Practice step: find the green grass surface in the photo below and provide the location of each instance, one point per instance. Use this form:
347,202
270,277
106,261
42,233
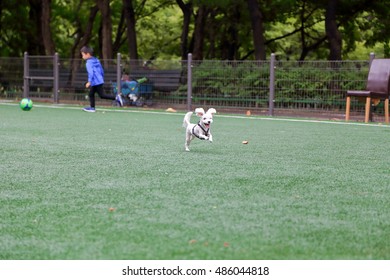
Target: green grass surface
298,190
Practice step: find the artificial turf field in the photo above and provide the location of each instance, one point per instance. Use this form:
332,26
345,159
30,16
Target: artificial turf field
118,185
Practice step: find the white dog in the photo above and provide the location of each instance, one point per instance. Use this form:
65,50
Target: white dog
200,130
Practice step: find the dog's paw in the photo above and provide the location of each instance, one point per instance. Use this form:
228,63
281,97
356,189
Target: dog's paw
187,150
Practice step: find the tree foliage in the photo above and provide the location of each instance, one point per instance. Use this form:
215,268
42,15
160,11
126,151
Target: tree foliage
210,29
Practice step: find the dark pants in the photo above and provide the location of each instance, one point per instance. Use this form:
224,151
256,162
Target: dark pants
100,91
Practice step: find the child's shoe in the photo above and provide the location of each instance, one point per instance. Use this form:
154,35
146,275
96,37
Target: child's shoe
89,109
119,99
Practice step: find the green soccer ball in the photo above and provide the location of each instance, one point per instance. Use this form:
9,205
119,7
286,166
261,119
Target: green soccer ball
26,104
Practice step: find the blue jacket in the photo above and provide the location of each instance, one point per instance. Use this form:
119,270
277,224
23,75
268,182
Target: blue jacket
95,71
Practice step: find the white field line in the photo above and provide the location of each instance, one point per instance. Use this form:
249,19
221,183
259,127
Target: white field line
261,118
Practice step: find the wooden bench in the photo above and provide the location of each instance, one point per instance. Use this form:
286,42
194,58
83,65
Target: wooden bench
159,80
45,78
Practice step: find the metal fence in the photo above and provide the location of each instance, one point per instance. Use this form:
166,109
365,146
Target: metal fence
290,88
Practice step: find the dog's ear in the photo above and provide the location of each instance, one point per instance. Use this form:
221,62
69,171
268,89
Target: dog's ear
199,112
211,111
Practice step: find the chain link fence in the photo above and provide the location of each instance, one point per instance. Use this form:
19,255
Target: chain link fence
301,88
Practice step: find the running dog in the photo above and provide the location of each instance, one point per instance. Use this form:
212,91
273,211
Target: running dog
200,130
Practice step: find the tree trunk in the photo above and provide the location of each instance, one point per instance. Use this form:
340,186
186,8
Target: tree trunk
130,24
187,13
104,7
82,39
46,30
34,36
332,32
212,33
257,29
233,42
200,21
84,36
118,41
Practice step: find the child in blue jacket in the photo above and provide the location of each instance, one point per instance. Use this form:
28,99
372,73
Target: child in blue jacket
95,79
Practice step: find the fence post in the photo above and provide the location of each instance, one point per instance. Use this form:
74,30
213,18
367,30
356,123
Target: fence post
189,82
372,56
271,99
26,74
56,77
118,72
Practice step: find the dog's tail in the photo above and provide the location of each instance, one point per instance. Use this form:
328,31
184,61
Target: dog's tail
186,120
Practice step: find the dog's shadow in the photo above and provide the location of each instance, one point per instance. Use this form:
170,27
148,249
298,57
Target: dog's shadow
200,149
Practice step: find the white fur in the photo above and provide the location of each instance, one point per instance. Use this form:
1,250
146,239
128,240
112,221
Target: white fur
201,129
